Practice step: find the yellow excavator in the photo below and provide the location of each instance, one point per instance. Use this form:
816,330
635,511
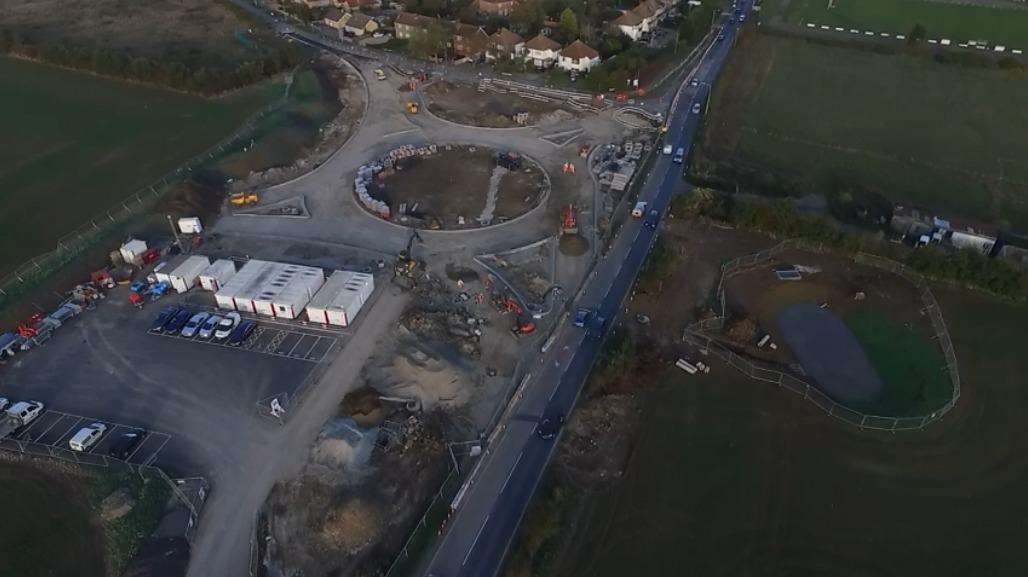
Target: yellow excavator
412,107
244,198
405,271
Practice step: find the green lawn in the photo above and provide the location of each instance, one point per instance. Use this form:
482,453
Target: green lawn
73,144
47,528
910,364
797,117
958,22
732,477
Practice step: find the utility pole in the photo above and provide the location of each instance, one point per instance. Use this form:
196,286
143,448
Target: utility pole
174,231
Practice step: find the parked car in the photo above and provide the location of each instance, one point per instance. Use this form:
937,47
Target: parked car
178,321
126,443
549,427
694,82
189,331
25,411
166,314
581,317
226,325
4,403
87,437
209,326
241,333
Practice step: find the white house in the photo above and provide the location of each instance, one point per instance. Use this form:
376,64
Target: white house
542,52
578,57
641,19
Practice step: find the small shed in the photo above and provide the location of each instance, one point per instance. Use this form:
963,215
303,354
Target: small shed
183,271
341,298
216,275
132,251
190,225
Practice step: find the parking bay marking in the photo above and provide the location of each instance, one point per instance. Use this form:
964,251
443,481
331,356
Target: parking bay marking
111,427
278,335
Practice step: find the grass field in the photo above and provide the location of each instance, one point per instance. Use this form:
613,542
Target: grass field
48,529
910,364
796,117
75,144
736,477
958,22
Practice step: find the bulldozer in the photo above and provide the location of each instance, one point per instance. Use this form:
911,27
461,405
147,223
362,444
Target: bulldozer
405,271
412,108
244,198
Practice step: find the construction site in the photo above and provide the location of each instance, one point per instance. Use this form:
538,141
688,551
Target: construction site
490,106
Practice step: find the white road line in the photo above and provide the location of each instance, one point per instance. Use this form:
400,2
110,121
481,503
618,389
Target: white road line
475,542
80,419
511,473
59,419
153,456
391,134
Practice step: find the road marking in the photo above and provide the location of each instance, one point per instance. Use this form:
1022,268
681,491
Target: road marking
153,456
475,542
511,473
399,132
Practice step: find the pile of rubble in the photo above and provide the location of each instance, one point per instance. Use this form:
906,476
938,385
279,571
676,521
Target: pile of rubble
463,329
384,167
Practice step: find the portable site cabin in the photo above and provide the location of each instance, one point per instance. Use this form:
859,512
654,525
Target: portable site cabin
132,251
341,298
190,225
272,289
182,271
215,276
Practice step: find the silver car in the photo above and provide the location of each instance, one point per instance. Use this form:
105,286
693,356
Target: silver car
209,326
193,326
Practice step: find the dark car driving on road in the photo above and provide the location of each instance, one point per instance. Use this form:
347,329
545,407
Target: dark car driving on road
581,317
549,426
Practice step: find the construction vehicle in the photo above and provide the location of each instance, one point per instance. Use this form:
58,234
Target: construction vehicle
523,325
405,271
412,107
380,74
509,160
244,198
568,220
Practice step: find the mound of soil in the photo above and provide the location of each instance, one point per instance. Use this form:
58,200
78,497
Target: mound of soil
573,245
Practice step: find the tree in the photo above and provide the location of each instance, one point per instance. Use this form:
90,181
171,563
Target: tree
430,42
917,35
569,23
528,17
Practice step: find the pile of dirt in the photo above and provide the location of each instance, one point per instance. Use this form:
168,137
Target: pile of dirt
445,326
364,406
596,448
742,331
573,245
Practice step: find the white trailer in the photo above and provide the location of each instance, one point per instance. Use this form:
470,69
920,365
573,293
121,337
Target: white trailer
217,274
132,251
341,298
273,289
182,272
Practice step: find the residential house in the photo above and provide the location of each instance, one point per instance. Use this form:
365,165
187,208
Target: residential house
360,24
505,45
542,52
409,24
316,3
336,18
642,19
496,7
469,41
356,5
578,57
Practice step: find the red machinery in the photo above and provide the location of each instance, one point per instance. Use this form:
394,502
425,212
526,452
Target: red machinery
568,220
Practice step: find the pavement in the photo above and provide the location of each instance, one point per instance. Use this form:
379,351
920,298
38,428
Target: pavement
480,531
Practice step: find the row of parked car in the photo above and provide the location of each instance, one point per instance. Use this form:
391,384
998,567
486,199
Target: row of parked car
21,413
230,329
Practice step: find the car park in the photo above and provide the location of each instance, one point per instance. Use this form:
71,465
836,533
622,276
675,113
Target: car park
126,444
87,436
227,324
163,317
193,326
549,427
208,327
178,321
581,317
241,333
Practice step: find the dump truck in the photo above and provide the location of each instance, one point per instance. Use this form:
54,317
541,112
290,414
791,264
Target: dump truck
19,415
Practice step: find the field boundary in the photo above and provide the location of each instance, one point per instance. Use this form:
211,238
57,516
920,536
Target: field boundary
697,335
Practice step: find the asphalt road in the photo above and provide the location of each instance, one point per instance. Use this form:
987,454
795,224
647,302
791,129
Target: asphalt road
484,524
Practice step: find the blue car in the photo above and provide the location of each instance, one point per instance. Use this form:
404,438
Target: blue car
178,321
166,314
581,317
241,333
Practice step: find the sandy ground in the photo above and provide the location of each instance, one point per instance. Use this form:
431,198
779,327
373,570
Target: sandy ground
464,104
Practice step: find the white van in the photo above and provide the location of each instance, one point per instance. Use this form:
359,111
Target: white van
87,437
639,210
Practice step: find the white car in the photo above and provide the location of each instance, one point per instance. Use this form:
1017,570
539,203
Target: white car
226,325
193,326
26,411
668,148
87,437
4,403
696,108
209,326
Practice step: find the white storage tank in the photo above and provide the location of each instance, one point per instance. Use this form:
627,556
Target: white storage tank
132,251
182,272
341,298
216,275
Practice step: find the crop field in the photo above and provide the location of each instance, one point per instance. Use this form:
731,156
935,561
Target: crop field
794,117
74,144
49,529
736,477
955,21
